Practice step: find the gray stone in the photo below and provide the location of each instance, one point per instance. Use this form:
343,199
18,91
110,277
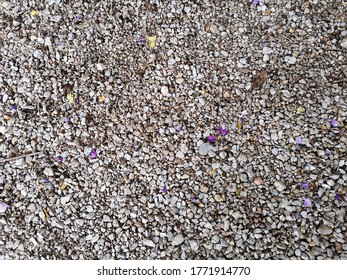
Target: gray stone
148,243
179,239
280,186
324,230
205,148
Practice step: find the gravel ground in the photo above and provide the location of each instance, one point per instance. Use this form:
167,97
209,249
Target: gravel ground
173,129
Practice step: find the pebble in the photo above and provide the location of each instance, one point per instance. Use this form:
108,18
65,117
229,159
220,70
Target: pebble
290,59
148,243
324,230
180,155
205,148
280,186
218,198
258,181
344,43
48,171
179,239
204,189
164,90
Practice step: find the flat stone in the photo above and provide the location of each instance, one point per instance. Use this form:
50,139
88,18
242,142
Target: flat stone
236,215
218,198
164,90
148,243
280,186
180,155
48,171
205,148
204,189
75,163
258,181
2,129
344,43
179,239
324,230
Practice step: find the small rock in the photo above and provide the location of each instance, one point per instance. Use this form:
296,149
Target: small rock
280,186
106,219
2,129
218,198
75,163
291,59
38,54
180,155
48,171
344,43
179,239
258,181
236,215
95,238
226,225
204,189
214,29
164,90
324,230
205,148
148,243
267,50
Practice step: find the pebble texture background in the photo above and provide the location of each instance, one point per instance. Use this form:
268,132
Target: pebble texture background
173,129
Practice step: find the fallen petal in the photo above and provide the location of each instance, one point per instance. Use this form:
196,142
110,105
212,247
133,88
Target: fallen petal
3,207
307,202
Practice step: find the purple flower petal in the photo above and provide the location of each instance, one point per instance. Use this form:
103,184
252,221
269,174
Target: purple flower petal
164,189
334,123
59,159
141,40
79,17
305,185
222,131
13,107
340,197
327,152
46,181
211,138
178,128
93,154
3,207
66,119
307,202
255,3
193,199
298,140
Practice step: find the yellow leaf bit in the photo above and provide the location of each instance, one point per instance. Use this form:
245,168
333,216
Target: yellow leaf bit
238,191
153,40
69,97
291,30
299,110
46,214
63,186
212,172
239,124
34,13
267,12
202,92
102,98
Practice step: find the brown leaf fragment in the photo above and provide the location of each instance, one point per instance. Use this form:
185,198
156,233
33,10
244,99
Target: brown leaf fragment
260,79
245,70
